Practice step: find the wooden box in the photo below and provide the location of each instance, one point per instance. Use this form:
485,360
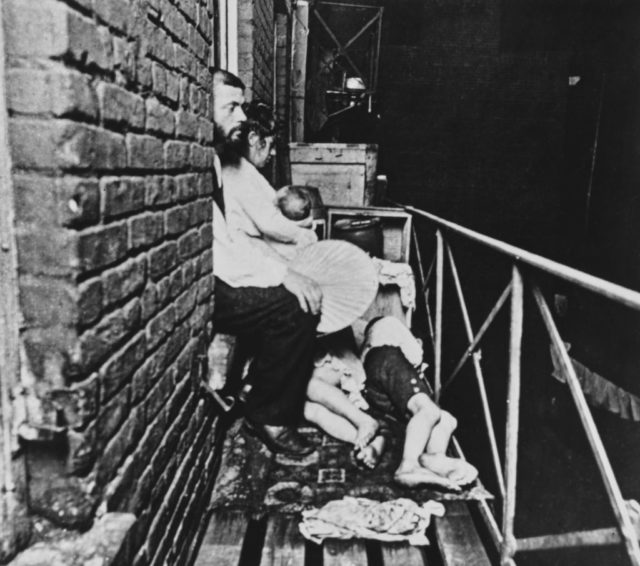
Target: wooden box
396,227
344,173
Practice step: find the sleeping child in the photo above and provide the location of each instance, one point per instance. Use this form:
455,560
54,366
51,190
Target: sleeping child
394,389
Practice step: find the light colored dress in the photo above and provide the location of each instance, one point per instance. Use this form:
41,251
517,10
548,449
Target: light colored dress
250,203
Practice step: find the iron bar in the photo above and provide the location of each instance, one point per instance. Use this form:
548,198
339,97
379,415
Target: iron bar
485,326
605,288
338,44
364,29
478,373
508,548
613,489
437,373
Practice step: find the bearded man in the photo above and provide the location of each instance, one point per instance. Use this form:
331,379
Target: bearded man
262,297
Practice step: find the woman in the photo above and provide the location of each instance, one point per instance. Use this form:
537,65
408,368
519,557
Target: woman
250,200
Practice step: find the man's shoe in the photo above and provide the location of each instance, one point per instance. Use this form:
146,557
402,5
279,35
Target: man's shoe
280,439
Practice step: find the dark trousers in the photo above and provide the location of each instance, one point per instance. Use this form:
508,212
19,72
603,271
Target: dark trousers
283,340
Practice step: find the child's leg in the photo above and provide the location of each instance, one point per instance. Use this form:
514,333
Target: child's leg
435,458
333,399
420,428
331,423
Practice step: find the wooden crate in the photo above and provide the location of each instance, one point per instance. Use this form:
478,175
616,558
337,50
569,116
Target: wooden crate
344,173
396,227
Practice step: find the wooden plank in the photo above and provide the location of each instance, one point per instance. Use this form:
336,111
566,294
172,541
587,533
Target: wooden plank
283,543
396,553
334,153
458,540
344,553
222,542
339,184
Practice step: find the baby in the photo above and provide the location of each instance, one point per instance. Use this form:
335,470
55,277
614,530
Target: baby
294,203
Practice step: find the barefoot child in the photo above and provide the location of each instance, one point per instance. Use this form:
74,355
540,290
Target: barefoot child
395,387
335,404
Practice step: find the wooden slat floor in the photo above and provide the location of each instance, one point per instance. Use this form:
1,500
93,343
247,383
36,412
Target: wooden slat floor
258,497
233,538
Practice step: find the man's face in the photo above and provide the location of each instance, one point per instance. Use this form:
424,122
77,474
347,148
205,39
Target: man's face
227,112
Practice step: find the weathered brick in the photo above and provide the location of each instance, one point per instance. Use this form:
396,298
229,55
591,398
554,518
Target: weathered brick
159,394
42,251
206,236
89,44
82,450
121,367
89,302
47,302
119,107
124,60
102,246
98,342
159,118
69,201
176,155
159,78
198,157
36,28
115,13
205,134
205,288
144,152
176,283
162,260
187,187
188,244
122,196
61,93
173,86
160,190
78,201
187,125
185,303
160,327
206,262
176,220
205,183
62,144
149,302
188,271
118,447
146,230
123,281
112,415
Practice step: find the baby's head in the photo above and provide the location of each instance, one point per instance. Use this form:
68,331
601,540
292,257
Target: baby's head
294,202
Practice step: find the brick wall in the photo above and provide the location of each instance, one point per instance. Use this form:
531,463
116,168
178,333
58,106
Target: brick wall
111,140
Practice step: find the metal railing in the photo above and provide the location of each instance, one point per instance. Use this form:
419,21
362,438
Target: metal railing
506,472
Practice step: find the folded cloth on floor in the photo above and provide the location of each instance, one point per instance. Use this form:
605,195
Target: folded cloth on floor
357,517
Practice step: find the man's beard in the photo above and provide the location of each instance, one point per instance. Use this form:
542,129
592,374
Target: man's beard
231,140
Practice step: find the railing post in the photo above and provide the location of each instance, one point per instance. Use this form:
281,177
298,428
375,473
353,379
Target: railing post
437,370
513,417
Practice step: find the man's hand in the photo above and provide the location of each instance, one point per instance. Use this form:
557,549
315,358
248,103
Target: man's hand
306,290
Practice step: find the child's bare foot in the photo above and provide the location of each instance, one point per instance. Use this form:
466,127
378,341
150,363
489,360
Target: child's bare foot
454,469
416,475
369,456
367,430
